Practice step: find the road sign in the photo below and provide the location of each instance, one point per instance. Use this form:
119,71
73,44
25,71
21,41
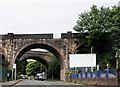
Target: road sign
14,66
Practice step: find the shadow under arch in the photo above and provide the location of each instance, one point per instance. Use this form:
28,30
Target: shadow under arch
83,48
42,60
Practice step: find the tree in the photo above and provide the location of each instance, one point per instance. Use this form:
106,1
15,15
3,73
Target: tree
54,68
34,67
102,26
115,28
21,69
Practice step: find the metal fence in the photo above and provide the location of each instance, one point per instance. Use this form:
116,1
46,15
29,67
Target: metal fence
95,74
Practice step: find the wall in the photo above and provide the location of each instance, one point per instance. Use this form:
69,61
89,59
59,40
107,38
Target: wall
3,73
100,82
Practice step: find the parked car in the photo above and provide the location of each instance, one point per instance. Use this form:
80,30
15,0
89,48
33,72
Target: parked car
22,76
40,76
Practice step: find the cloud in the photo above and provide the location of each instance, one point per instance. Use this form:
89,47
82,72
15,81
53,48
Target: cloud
43,16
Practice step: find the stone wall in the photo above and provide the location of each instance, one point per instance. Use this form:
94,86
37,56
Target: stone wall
99,82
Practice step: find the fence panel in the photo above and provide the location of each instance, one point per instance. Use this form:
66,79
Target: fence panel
95,74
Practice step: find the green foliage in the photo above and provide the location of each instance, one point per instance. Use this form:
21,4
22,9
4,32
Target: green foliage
21,69
102,26
34,67
54,68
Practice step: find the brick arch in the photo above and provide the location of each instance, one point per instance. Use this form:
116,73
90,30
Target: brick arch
40,59
84,45
15,45
48,47
76,48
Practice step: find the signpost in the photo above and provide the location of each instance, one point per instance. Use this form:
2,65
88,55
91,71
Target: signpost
14,67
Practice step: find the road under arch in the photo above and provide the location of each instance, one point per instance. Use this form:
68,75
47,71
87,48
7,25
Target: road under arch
54,51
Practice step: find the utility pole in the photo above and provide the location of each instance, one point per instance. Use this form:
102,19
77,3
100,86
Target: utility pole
91,54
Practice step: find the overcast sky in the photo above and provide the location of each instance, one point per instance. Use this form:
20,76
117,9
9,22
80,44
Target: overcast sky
44,16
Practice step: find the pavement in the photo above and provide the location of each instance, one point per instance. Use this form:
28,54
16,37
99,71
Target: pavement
10,83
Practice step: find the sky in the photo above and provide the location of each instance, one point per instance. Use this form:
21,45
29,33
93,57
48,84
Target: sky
44,16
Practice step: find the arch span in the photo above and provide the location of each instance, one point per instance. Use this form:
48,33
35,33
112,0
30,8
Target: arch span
42,60
37,58
17,44
39,45
48,47
83,48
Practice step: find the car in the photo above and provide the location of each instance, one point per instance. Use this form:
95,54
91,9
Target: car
22,76
40,76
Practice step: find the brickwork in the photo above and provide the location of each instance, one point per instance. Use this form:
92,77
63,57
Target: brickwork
16,45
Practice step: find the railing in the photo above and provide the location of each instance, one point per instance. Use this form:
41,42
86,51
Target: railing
95,74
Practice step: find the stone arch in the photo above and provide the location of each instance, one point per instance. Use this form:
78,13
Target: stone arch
42,60
75,50
39,45
84,46
48,47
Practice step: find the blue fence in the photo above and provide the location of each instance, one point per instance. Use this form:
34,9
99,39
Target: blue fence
95,74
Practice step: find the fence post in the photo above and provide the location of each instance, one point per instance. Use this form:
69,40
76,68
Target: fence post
107,73
98,74
81,75
85,74
91,74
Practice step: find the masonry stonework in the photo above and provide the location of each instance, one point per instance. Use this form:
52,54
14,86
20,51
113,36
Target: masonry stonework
14,46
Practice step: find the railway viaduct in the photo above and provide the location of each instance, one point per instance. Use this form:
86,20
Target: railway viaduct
14,46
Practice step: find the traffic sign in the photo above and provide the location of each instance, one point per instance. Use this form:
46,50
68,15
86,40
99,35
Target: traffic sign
14,66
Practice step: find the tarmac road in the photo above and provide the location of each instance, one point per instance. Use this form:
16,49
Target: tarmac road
37,83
